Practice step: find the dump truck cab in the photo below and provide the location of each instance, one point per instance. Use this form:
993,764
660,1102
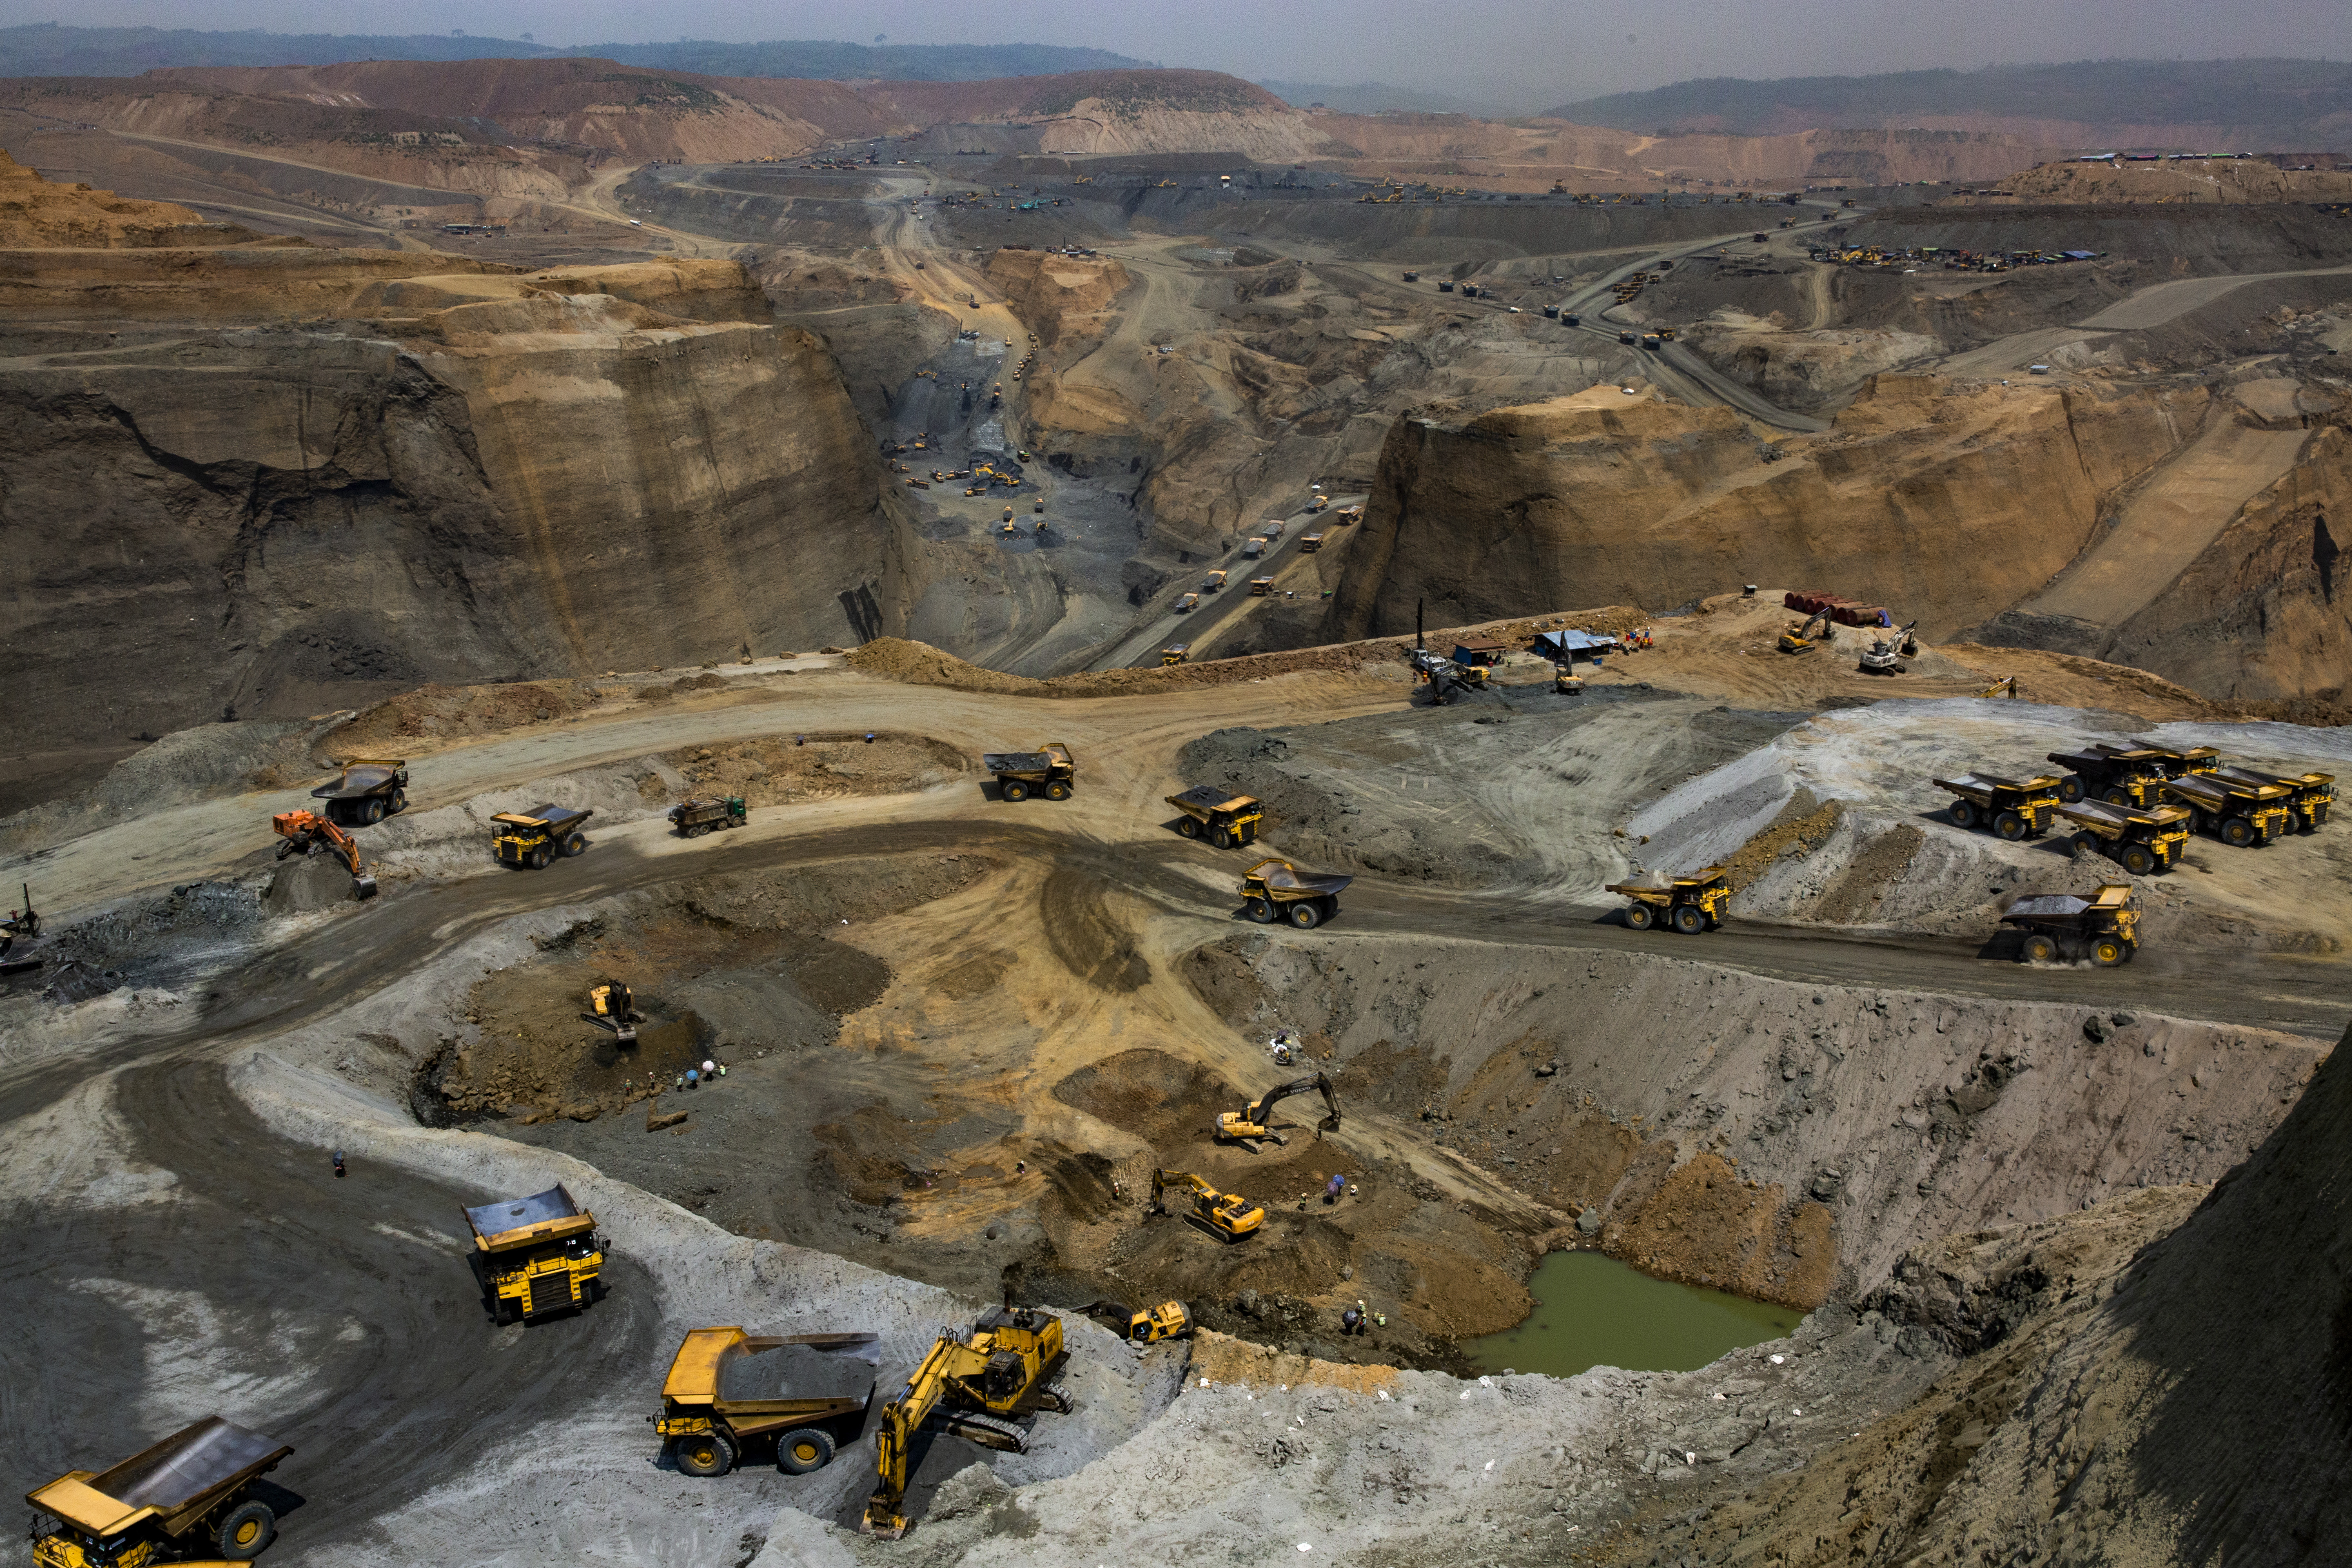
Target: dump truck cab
2120,775
2177,761
2013,808
368,790
535,837
2065,927
2144,843
536,1256
188,1496
729,1391
1690,904
2240,815
1224,819
1276,889
697,815
2308,795
1049,771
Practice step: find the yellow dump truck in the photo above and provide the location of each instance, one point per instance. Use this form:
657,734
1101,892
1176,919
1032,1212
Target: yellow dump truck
1174,654
1049,771
1690,904
2013,808
2309,794
730,1393
536,1256
2141,842
368,790
1260,587
1224,819
535,837
1276,889
2102,928
2240,815
187,1495
1310,544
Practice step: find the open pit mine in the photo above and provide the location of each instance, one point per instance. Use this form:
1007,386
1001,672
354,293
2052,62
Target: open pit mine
1083,820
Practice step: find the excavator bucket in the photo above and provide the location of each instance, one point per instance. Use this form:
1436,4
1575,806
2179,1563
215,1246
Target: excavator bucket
363,885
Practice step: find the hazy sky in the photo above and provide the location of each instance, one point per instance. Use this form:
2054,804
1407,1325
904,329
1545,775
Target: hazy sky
1521,50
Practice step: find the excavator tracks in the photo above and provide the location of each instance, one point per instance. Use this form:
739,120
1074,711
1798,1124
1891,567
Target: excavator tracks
988,1431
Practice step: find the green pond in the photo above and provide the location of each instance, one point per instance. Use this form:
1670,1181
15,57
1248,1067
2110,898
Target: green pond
1596,1312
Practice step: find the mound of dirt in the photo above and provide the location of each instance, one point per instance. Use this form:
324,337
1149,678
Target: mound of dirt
775,769
306,883
35,214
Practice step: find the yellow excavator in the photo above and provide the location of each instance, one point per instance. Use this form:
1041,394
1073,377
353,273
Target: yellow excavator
1229,1216
1253,1124
976,1387
615,1009
1801,638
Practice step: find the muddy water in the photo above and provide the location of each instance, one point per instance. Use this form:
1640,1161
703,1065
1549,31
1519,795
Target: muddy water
1596,1312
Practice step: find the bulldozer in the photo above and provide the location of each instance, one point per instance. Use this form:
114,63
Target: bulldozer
1228,1217
1803,637
164,1504
1884,655
1168,1321
977,1387
1252,1124
613,1005
308,833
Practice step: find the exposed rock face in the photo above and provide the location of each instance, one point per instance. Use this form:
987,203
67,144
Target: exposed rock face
1065,299
541,477
1947,505
1804,369
34,211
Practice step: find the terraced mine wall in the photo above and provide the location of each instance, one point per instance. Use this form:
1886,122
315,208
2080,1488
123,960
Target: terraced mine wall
266,504
1951,506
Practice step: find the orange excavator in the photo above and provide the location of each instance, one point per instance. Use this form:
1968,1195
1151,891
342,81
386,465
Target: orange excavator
308,833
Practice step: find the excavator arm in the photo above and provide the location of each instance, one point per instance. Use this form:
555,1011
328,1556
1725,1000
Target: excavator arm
304,830
1258,1112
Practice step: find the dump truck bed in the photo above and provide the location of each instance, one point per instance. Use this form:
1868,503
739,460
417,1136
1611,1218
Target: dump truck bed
554,818
1281,877
2100,811
2053,907
360,779
1993,782
178,1479
1210,799
551,1216
764,1383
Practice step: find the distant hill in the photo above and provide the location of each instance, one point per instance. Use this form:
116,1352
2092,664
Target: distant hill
1371,97
51,50
2252,105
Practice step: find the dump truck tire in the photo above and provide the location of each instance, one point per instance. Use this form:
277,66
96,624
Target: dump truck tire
2083,843
1640,917
2237,832
2139,859
1963,813
1015,790
704,1454
2070,788
371,810
2117,796
2107,951
1306,914
798,1453
1190,828
2039,949
575,844
1224,839
399,801
249,1528
1261,911
2009,825
1690,919
541,857
1057,790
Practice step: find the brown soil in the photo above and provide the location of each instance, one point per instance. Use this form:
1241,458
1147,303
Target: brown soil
1442,1271
773,770
432,716
534,1054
